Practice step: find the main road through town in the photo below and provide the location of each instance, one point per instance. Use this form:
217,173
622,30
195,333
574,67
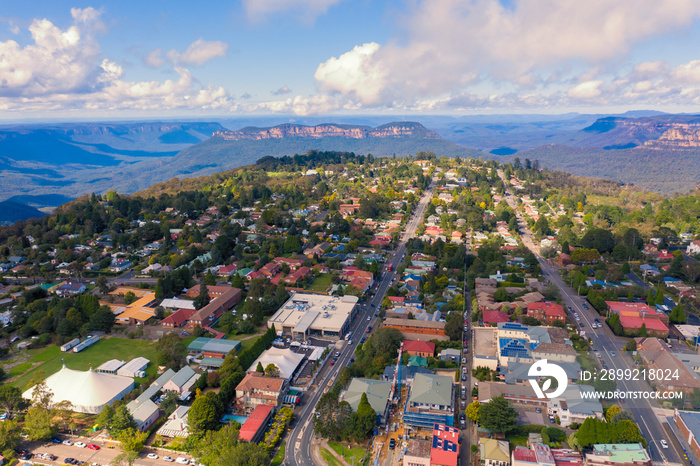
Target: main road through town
647,414
298,447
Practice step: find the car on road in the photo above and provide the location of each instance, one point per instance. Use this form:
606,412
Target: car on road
332,362
152,456
168,459
373,305
92,446
392,444
597,355
337,354
538,410
585,306
369,318
362,340
464,377
79,444
182,460
581,325
67,442
663,443
612,353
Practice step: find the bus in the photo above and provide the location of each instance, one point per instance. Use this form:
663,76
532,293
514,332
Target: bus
390,268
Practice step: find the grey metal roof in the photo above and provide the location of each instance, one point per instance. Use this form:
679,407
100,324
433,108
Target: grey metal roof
432,389
377,393
183,375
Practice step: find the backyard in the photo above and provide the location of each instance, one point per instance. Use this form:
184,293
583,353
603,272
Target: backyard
49,359
320,283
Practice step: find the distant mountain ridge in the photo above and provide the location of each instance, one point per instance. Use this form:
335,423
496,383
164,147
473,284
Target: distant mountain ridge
290,130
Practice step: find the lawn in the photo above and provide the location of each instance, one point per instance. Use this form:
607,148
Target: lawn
329,458
52,358
358,453
320,283
517,440
279,457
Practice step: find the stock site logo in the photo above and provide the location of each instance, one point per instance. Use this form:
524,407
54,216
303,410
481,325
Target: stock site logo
543,368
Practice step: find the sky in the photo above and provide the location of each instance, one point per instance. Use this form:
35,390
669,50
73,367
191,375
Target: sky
128,59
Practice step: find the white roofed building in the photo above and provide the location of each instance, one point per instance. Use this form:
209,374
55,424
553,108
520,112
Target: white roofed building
87,391
305,315
286,360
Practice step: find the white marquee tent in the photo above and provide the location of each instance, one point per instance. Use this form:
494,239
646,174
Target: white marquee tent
87,391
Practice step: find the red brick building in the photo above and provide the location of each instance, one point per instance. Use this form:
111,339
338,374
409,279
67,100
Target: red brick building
547,312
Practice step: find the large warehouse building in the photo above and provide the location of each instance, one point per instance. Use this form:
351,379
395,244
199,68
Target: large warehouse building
87,391
305,315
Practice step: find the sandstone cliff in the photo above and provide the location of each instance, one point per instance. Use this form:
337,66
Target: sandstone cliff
402,129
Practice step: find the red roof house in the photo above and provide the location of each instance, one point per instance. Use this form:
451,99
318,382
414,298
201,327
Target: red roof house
424,349
445,448
253,429
494,317
547,312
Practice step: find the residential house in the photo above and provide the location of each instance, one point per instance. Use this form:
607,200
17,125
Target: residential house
445,446
256,389
377,392
693,248
495,452
182,381
424,349
176,425
547,312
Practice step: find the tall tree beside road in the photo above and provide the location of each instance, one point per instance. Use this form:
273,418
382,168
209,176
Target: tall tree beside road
453,327
10,435
497,415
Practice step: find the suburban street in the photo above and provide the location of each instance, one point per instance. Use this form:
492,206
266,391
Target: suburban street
605,342
300,437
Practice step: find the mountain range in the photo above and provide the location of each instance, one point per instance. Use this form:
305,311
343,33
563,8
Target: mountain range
44,165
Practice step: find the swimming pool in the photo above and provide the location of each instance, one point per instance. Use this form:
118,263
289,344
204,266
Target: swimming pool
231,417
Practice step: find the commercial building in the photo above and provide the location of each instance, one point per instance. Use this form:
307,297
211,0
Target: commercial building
87,391
418,329
688,423
618,454
305,315
430,401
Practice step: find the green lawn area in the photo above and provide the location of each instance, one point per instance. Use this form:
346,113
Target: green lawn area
517,441
102,351
329,458
279,457
320,283
356,452
248,342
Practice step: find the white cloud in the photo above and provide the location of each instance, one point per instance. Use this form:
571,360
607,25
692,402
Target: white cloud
199,52
307,10
154,58
64,69
586,90
450,45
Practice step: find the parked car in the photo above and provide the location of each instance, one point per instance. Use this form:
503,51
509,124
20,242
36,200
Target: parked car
168,459
79,444
152,456
392,444
69,461
92,446
55,440
182,460
67,442
663,443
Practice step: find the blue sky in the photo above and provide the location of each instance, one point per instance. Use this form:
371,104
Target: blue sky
62,59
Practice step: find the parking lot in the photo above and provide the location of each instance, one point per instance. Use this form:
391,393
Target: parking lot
528,415
103,456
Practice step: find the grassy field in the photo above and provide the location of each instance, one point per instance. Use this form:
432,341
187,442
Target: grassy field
517,440
279,457
320,283
358,453
112,348
329,458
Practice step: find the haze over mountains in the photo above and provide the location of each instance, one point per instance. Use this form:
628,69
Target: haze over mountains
42,166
